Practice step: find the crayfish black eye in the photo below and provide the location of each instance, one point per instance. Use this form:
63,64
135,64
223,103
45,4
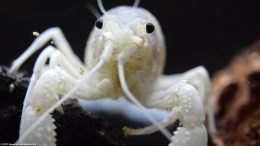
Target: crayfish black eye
149,27
99,24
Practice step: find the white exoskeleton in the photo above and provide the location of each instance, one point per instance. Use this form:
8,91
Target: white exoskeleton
125,56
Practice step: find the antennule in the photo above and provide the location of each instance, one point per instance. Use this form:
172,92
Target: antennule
136,3
101,7
93,10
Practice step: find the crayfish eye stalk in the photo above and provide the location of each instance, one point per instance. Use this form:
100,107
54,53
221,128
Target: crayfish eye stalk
149,28
99,23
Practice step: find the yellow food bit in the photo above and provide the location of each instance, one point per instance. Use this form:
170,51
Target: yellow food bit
37,109
126,131
35,33
81,70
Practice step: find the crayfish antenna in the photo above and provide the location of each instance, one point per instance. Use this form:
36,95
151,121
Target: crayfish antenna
121,61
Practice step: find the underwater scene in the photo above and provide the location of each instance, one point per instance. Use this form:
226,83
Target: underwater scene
130,73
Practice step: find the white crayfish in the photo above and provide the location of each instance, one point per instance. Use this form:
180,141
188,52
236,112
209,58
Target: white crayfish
125,56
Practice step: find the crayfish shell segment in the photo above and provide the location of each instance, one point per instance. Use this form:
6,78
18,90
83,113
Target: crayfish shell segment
43,135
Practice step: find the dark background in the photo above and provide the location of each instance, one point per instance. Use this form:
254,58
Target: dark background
197,32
